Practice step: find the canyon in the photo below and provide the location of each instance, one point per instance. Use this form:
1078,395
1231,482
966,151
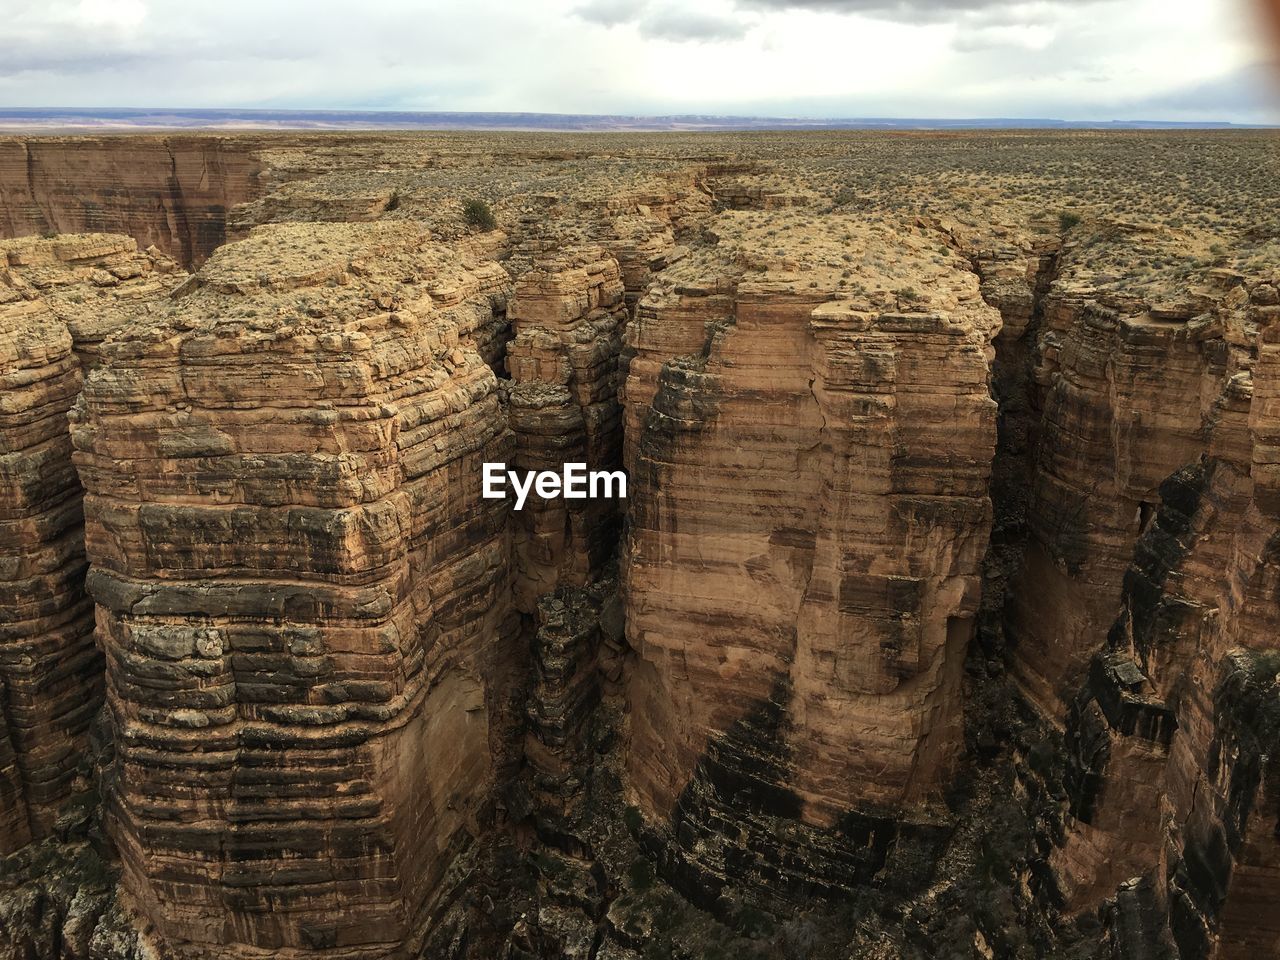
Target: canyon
938,619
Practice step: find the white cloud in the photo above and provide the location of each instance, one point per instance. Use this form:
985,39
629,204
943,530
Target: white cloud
112,14
943,58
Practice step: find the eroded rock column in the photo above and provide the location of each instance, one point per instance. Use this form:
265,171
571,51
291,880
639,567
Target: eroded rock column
47,657
803,572
59,298
303,600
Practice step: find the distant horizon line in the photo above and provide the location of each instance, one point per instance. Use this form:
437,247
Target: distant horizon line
292,118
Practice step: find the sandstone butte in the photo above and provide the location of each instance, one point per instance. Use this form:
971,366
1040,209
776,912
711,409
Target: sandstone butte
940,619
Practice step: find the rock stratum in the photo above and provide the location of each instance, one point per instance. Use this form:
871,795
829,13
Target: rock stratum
938,621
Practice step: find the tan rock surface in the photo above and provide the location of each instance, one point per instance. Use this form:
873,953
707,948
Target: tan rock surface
818,419
58,299
303,601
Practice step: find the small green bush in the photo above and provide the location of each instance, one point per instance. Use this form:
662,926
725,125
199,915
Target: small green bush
1067,220
641,874
479,214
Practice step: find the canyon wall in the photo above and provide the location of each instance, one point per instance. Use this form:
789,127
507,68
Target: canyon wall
568,318
173,192
803,567
940,532
303,601
1136,614
58,300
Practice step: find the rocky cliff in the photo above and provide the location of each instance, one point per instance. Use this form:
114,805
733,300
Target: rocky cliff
171,192
820,418
304,602
59,299
938,619
567,318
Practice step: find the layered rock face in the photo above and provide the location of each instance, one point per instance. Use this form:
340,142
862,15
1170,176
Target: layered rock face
48,657
58,300
569,316
808,524
945,613
303,601
1180,708
1137,615
1128,387
171,192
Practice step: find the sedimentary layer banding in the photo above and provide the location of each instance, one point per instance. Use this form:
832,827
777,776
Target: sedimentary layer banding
303,601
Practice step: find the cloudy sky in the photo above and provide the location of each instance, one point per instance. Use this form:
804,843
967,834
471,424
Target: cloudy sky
1069,59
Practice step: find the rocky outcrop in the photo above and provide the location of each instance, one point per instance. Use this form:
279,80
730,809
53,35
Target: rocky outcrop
58,300
1129,386
575,646
568,315
171,192
1151,498
303,601
809,429
944,615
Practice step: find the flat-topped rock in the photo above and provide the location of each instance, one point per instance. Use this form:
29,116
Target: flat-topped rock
295,574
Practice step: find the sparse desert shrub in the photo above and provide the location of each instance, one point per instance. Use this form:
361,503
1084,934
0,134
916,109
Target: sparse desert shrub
1067,220
845,195
632,818
640,874
479,214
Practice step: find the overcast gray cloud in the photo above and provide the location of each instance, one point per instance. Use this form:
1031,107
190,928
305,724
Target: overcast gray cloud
611,13
1251,90
658,22
1088,59
687,25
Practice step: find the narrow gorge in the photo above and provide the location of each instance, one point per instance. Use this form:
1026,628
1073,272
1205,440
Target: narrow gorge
937,622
